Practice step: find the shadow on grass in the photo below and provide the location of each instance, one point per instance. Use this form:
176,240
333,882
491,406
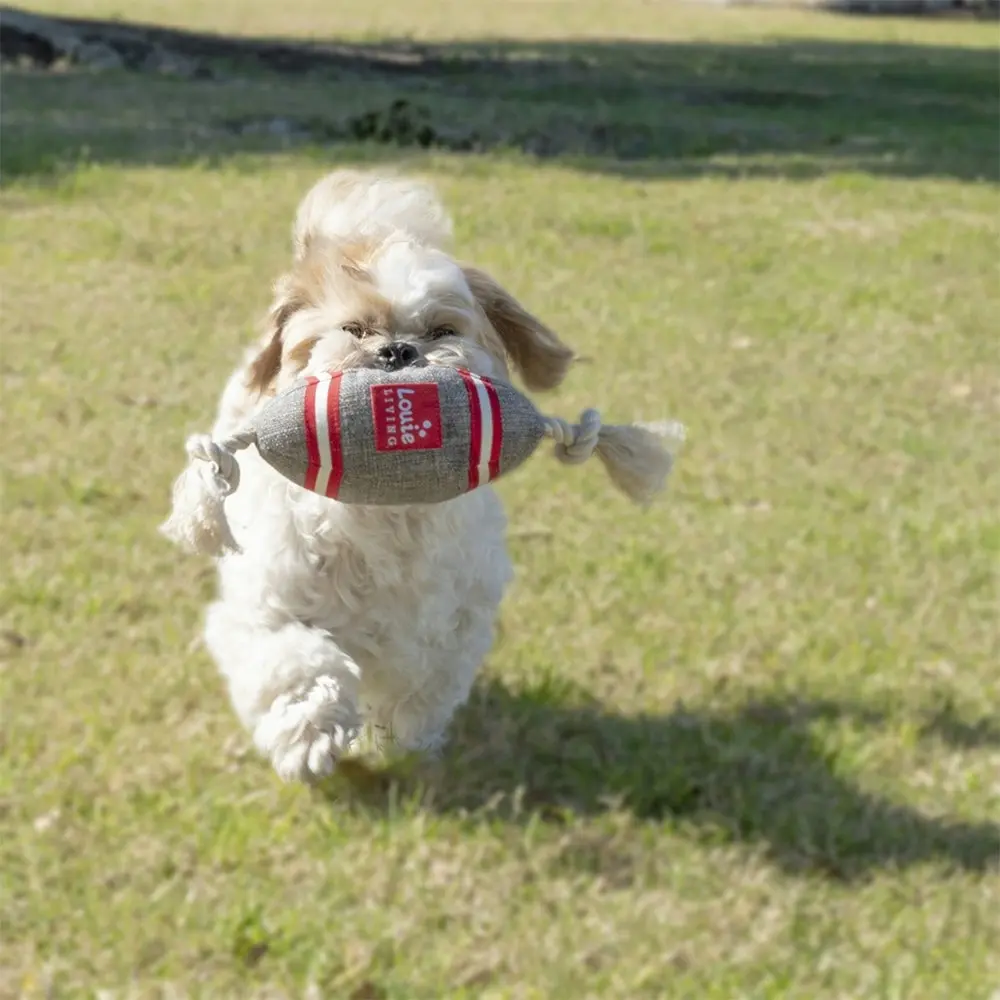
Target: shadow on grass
757,775
795,108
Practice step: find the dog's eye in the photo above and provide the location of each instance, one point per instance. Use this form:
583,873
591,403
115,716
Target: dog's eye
442,331
355,330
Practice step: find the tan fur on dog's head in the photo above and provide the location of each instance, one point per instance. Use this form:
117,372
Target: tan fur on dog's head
539,356
371,285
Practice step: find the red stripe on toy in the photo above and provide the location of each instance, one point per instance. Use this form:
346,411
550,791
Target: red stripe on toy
497,441
312,444
333,426
475,428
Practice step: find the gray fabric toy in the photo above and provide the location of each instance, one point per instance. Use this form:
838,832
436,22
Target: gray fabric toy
420,435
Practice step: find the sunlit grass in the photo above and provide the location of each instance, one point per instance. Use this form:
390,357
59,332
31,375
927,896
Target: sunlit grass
743,746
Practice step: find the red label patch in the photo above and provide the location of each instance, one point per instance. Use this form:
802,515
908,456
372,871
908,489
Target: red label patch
407,416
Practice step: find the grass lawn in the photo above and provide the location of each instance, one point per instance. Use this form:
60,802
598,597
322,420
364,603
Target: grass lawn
746,745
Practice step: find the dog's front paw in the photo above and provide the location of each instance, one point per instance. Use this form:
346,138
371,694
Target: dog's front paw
306,731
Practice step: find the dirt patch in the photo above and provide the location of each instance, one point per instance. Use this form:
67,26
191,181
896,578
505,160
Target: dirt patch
42,43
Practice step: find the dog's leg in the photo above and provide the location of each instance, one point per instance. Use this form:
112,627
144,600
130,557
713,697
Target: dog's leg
292,686
419,720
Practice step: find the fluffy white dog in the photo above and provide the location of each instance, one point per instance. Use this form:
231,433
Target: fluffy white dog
333,617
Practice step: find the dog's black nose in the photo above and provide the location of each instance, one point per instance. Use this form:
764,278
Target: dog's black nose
397,355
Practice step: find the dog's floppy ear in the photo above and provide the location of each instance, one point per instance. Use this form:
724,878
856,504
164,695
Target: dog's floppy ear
264,368
540,357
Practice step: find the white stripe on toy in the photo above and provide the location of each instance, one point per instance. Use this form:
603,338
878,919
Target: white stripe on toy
323,436
486,430
322,424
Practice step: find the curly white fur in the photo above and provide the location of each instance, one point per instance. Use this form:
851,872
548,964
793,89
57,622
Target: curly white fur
331,617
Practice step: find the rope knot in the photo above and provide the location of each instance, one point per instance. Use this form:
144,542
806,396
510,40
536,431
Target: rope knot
219,454
575,443
197,519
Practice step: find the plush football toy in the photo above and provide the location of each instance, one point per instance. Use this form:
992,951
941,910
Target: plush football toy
420,435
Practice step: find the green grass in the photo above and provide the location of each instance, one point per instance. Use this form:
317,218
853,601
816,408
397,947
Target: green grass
746,745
